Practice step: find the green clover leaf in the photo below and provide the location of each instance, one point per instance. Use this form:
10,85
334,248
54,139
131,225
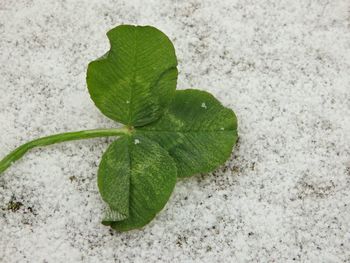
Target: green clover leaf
136,177
196,130
168,134
136,79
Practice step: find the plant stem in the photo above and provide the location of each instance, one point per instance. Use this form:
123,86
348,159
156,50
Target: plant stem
57,138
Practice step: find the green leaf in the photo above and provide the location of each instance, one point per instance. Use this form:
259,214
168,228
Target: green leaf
136,79
196,130
167,135
136,178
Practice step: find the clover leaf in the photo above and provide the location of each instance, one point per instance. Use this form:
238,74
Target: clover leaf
136,177
196,130
167,135
136,79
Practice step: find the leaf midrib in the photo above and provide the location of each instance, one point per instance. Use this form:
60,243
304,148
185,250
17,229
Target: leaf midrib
133,77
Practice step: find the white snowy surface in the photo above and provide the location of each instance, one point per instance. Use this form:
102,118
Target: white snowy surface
282,66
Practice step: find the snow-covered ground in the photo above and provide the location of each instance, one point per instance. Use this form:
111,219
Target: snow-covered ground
282,66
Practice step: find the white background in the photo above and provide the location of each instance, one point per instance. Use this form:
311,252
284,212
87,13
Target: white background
282,66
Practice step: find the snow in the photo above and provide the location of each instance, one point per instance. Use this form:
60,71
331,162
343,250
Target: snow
283,196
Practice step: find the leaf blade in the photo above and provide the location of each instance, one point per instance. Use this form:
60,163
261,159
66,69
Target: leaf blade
152,177
196,130
124,84
114,178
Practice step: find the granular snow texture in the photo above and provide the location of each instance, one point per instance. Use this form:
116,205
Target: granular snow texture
282,66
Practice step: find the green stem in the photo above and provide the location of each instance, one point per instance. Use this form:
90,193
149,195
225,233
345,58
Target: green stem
57,138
